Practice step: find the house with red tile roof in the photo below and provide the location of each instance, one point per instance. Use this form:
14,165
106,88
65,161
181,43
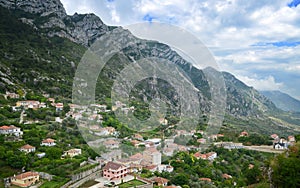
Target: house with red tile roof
11,130
59,107
25,179
112,171
198,155
48,142
27,148
274,136
206,156
159,181
244,133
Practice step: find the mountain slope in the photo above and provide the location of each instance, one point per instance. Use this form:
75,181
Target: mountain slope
48,44
283,100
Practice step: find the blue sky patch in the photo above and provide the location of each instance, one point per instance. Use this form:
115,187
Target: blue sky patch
294,3
278,44
148,18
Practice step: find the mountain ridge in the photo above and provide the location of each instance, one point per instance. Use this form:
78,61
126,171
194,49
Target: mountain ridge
282,100
51,18
60,50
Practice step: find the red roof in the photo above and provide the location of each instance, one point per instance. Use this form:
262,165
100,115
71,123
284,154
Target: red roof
48,140
58,105
199,155
244,133
5,127
25,175
27,146
151,167
112,166
160,180
205,179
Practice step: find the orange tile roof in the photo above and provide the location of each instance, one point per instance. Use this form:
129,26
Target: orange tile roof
25,175
48,140
160,180
151,167
27,146
5,127
205,179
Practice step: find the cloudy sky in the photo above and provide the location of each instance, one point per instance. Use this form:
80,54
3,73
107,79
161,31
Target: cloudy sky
256,40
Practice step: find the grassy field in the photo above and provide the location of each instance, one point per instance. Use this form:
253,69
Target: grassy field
131,184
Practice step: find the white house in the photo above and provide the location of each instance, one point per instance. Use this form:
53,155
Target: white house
11,130
48,142
72,153
27,148
59,107
280,145
211,156
166,168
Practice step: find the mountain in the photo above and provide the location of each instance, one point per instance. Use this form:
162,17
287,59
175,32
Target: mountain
51,18
41,46
283,100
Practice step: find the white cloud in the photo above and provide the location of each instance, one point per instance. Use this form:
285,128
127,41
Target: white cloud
267,83
113,12
228,27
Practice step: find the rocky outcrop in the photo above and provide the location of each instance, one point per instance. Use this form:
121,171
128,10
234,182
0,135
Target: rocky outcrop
51,17
41,7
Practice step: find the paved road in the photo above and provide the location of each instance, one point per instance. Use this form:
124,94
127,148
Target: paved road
268,149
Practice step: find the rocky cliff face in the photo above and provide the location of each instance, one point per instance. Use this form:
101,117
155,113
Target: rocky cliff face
51,17
42,7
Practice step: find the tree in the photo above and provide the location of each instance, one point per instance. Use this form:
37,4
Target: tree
17,159
253,175
53,153
286,168
180,179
